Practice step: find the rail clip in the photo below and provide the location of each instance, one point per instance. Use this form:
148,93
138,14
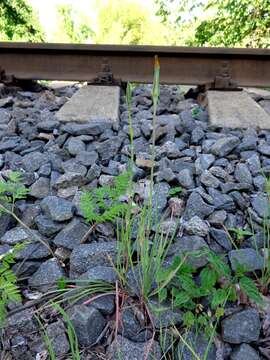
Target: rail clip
223,80
105,76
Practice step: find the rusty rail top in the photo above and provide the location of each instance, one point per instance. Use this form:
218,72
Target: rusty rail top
179,65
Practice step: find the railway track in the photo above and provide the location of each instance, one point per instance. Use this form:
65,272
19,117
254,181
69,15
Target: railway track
220,67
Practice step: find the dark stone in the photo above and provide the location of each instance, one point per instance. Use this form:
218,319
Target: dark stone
33,251
69,179
230,186
124,349
225,145
109,148
93,128
88,323
15,235
87,158
23,321
57,336
87,256
163,316
241,327
48,125
189,244
46,276
57,209
222,238
105,304
71,235
221,201
196,206
185,179
93,173
75,146
199,344
242,174
244,352
73,166
40,189
131,328
102,273
33,161
260,204
249,259
46,226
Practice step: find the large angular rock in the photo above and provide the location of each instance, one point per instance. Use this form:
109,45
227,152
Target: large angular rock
124,349
88,256
249,259
15,235
241,327
109,148
41,188
88,324
33,251
225,145
260,204
196,226
46,226
46,276
92,128
71,235
33,161
57,335
197,207
57,209
189,244
244,352
69,179
100,273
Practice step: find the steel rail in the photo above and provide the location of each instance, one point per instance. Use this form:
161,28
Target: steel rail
179,65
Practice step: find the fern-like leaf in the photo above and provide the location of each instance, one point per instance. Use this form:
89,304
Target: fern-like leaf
102,204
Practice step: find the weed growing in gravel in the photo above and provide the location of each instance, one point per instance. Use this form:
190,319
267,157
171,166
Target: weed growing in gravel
11,191
217,285
103,204
9,291
72,338
240,236
175,191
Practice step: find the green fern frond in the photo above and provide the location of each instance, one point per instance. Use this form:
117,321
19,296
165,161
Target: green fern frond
8,288
102,204
12,189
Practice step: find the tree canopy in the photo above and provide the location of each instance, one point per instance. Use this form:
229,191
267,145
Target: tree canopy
221,22
19,22
127,22
74,27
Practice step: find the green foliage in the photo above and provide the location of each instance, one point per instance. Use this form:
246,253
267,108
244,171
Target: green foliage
236,22
215,285
240,234
12,190
175,191
19,22
227,23
127,22
102,204
72,338
74,26
8,290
